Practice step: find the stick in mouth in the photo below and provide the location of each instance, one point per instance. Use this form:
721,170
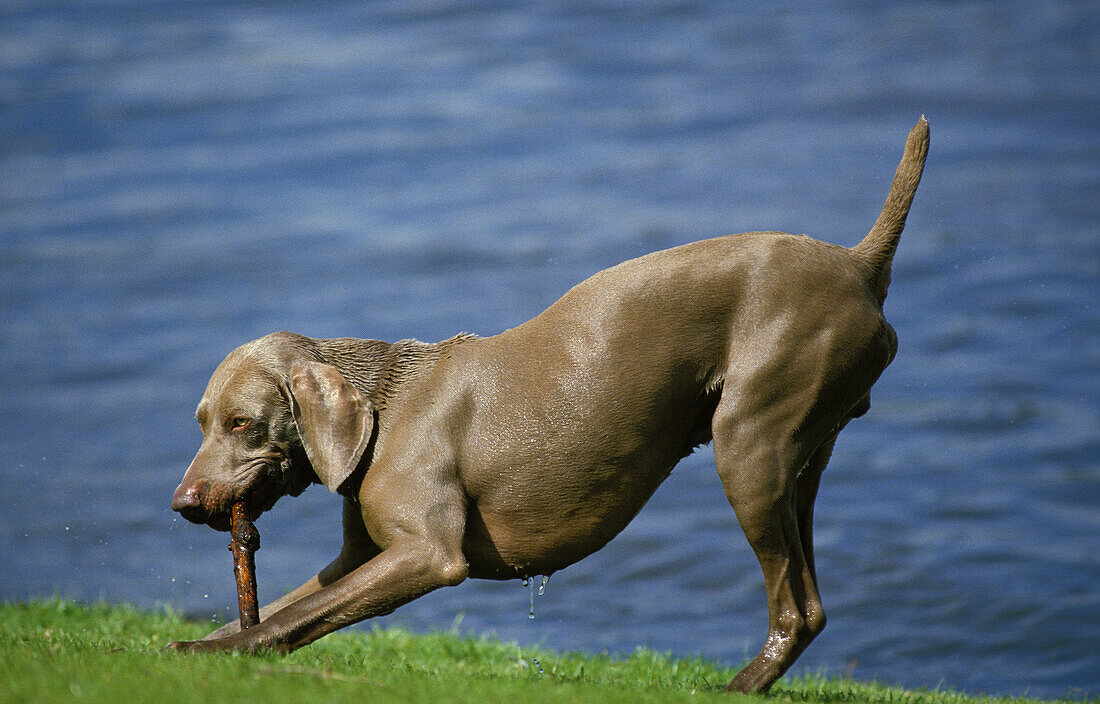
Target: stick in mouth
244,542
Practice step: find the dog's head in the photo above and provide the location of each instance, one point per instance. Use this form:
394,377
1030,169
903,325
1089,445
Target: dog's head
274,418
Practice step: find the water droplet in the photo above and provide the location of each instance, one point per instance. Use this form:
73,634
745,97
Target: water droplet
535,662
529,583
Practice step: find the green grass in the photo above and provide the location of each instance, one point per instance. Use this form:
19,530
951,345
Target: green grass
60,651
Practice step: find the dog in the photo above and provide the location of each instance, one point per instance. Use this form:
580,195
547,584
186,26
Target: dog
517,455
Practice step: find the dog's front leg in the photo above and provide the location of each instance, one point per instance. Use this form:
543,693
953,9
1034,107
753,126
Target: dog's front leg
357,549
409,568
337,569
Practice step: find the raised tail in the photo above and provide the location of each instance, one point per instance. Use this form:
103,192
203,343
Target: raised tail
876,250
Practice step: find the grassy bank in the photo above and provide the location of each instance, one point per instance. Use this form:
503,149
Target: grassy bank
59,651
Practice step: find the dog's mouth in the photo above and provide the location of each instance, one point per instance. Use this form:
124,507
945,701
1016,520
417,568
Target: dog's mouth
262,483
206,504
218,518
219,522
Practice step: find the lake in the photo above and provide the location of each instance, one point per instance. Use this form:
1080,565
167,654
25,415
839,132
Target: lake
177,178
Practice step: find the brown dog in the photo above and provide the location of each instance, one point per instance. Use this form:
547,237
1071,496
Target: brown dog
519,454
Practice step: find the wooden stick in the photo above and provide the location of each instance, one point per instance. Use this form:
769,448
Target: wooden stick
244,542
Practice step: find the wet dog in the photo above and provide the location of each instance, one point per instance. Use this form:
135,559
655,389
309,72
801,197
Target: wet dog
515,455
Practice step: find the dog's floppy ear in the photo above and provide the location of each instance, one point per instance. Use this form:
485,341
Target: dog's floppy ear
334,420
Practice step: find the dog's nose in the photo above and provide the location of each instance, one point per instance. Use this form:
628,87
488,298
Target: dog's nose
186,498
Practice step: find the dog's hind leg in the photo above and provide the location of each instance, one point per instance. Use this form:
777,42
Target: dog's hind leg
804,496
771,481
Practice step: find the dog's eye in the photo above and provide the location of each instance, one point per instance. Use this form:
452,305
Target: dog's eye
240,423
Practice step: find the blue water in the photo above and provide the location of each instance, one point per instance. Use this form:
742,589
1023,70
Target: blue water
179,177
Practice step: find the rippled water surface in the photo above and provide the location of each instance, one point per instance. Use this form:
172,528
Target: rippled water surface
179,177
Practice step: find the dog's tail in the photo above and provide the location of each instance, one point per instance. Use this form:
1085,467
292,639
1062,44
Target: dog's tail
876,250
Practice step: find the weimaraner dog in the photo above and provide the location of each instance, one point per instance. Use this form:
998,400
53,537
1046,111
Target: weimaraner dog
519,454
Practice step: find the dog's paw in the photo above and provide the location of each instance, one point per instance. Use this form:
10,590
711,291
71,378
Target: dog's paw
191,646
211,645
250,642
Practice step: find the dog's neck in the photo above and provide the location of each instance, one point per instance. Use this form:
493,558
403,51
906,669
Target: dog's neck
379,369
